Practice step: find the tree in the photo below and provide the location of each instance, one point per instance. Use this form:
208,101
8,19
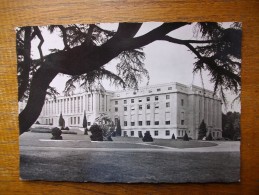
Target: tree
97,134
87,48
185,137
85,124
61,121
173,137
202,130
209,138
118,128
231,125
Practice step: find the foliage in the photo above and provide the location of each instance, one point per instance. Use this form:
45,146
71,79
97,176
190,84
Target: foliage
118,128
37,122
56,133
202,130
231,125
84,121
66,128
97,134
147,137
185,137
173,136
61,121
209,137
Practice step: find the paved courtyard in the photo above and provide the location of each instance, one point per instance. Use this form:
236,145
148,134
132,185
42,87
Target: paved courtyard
76,158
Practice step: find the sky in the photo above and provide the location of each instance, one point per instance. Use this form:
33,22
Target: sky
165,62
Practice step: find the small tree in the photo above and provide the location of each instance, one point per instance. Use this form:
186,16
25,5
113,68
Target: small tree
140,135
173,137
209,138
61,121
118,128
97,134
85,124
185,137
147,137
202,130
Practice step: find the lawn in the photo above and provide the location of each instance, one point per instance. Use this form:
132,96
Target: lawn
119,166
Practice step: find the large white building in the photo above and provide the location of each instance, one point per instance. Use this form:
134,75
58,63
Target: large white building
163,110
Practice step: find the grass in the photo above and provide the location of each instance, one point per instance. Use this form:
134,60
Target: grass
119,166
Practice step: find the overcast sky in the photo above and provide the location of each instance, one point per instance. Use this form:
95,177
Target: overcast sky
165,62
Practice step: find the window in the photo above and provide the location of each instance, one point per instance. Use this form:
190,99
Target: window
132,123
167,97
125,123
71,120
156,133
148,123
140,123
167,104
158,89
148,99
139,100
169,88
156,122
167,122
140,107
140,134
132,100
125,101
150,91
148,106
182,122
156,98
74,120
125,133
182,102
125,108
213,134
116,102
78,119
131,133
167,132
116,109
156,106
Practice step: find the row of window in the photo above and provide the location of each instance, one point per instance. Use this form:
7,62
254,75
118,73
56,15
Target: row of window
141,106
156,133
148,99
148,123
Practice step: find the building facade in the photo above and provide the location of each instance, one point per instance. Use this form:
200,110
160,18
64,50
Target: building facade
163,110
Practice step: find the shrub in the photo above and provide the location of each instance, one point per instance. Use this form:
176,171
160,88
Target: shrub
147,137
118,128
202,130
37,122
84,122
140,135
97,134
173,137
61,121
185,137
66,128
56,133
86,131
209,138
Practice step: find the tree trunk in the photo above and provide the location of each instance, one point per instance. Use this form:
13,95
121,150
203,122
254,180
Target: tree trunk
39,86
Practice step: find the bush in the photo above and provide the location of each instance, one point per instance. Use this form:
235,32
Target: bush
37,122
185,137
173,137
66,128
209,138
147,137
97,134
56,133
140,135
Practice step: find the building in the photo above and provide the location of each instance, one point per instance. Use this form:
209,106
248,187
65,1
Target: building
163,110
